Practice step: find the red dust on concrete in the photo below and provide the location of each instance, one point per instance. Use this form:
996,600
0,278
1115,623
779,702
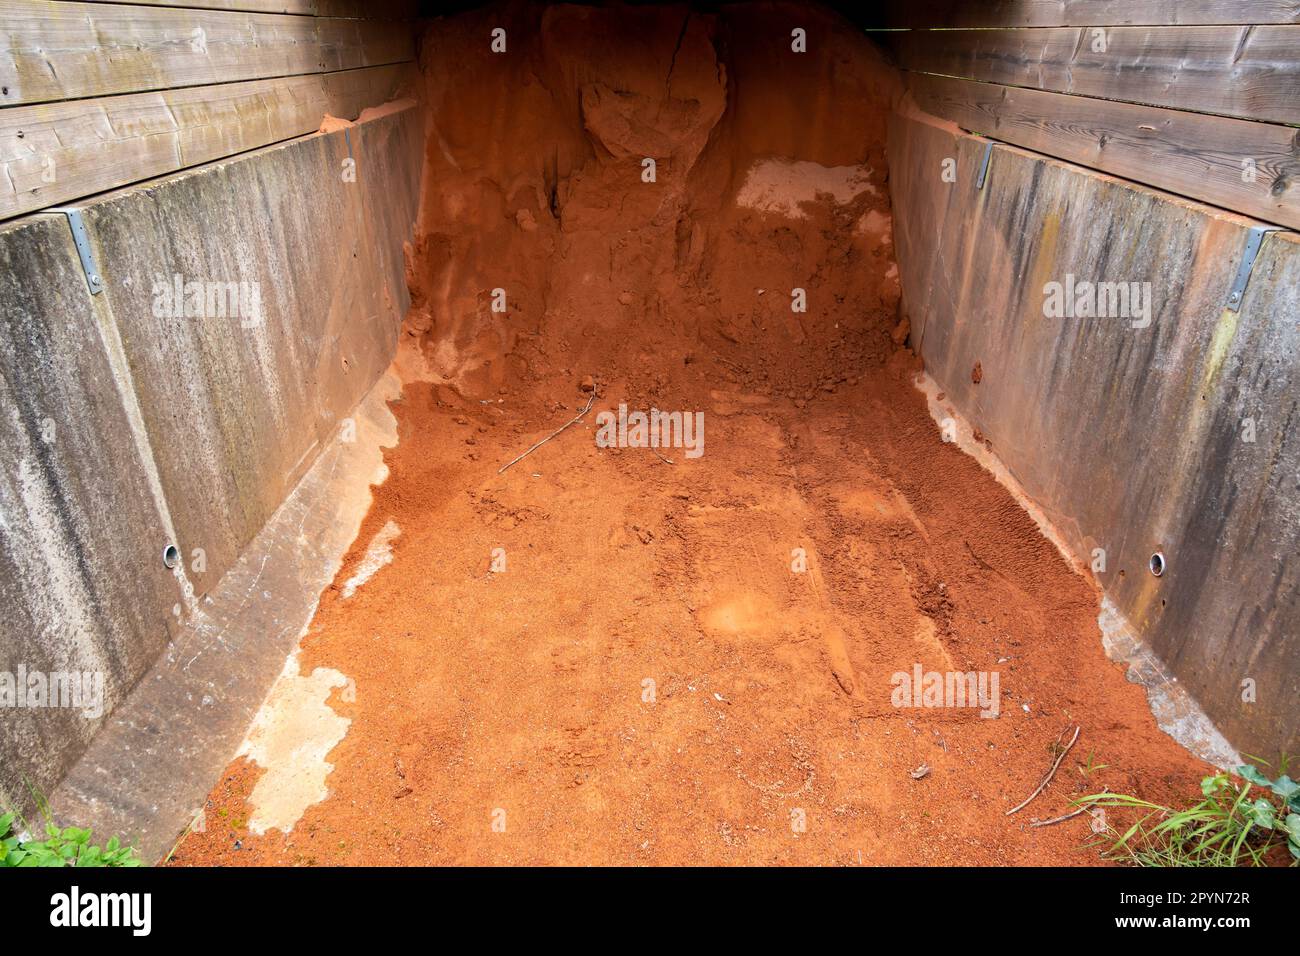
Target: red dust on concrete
631,656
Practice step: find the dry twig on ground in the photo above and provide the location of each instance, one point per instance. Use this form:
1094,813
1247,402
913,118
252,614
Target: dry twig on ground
1051,773
577,418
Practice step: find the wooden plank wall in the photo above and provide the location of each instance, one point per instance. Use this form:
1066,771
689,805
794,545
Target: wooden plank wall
95,95
1197,97
915,14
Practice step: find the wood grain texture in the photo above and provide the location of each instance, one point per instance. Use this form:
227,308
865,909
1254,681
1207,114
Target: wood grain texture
364,9
300,7
52,153
1248,72
1192,154
52,50
1061,13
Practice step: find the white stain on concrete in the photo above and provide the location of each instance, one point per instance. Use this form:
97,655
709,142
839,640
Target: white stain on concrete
782,187
295,729
962,434
290,738
1175,711
378,554
64,604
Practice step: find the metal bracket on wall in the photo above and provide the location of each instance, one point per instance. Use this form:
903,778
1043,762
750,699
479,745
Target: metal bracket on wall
984,165
1254,240
82,241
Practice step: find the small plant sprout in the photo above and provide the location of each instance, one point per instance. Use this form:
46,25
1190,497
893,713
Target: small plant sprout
1241,820
66,846
1090,766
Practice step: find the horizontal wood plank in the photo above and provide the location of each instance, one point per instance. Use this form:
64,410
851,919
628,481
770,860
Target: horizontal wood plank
53,153
916,14
300,7
368,9
1249,72
52,50
365,9
1204,157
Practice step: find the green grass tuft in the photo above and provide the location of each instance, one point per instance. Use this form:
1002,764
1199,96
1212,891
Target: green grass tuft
1240,821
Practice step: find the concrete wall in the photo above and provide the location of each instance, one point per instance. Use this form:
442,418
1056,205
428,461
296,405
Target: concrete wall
126,428
1134,440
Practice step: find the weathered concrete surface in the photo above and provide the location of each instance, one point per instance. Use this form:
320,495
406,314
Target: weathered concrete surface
82,582
1175,711
1132,439
147,773
238,407
186,429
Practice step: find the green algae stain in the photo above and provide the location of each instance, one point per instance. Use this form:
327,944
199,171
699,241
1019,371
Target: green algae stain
1224,333
1045,247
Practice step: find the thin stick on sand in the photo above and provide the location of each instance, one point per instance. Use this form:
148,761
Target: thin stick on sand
1065,816
577,418
1051,773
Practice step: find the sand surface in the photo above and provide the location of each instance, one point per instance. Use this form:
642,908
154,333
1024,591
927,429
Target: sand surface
625,655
